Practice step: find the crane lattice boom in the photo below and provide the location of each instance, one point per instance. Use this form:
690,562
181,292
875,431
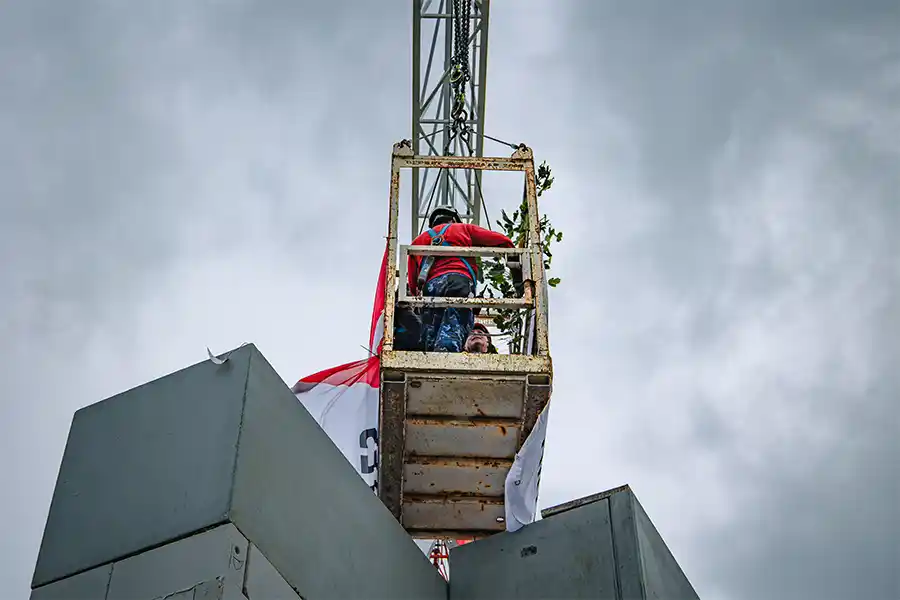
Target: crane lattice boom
435,23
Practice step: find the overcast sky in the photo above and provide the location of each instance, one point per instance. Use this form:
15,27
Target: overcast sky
176,175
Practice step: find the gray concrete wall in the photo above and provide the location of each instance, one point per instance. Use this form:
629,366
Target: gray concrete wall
603,549
145,467
88,585
663,576
218,563
214,444
310,513
219,553
629,568
566,556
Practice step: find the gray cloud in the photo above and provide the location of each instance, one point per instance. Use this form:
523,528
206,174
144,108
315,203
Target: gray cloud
724,335
759,291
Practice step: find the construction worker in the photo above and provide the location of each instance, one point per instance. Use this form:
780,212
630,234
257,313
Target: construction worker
479,341
446,329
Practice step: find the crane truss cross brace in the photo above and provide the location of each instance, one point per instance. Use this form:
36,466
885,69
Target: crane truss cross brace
432,101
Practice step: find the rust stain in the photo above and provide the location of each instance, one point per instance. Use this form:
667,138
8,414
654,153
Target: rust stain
401,361
502,429
514,163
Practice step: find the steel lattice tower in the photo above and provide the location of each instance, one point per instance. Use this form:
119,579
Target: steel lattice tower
431,104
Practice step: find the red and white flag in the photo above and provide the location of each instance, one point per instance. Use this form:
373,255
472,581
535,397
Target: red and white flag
344,399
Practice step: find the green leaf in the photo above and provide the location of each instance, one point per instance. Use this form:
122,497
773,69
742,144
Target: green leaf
512,322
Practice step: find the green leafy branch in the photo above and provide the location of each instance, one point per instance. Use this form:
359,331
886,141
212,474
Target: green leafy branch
512,322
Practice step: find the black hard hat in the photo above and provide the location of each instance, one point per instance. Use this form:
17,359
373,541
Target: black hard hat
443,211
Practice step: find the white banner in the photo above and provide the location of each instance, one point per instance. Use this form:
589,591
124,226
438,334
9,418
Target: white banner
344,402
524,477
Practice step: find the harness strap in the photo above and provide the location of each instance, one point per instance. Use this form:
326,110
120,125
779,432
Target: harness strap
433,234
437,239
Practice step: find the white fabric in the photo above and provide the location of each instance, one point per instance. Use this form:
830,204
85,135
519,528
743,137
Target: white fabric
523,479
377,336
349,415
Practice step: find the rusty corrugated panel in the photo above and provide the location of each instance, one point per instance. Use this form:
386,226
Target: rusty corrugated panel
462,162
492,438
454,513
455,475
537,395
465,397
392,414
477,364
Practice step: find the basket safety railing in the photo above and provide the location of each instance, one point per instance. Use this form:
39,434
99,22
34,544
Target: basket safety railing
526,301
528,261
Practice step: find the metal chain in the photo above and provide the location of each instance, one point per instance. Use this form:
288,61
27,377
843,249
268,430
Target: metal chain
460,75
461,9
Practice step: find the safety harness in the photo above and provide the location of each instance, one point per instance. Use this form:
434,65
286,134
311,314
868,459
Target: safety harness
437,239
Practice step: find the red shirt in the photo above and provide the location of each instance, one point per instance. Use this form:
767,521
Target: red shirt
457,234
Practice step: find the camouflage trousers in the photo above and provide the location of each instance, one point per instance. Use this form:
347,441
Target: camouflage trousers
446,329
